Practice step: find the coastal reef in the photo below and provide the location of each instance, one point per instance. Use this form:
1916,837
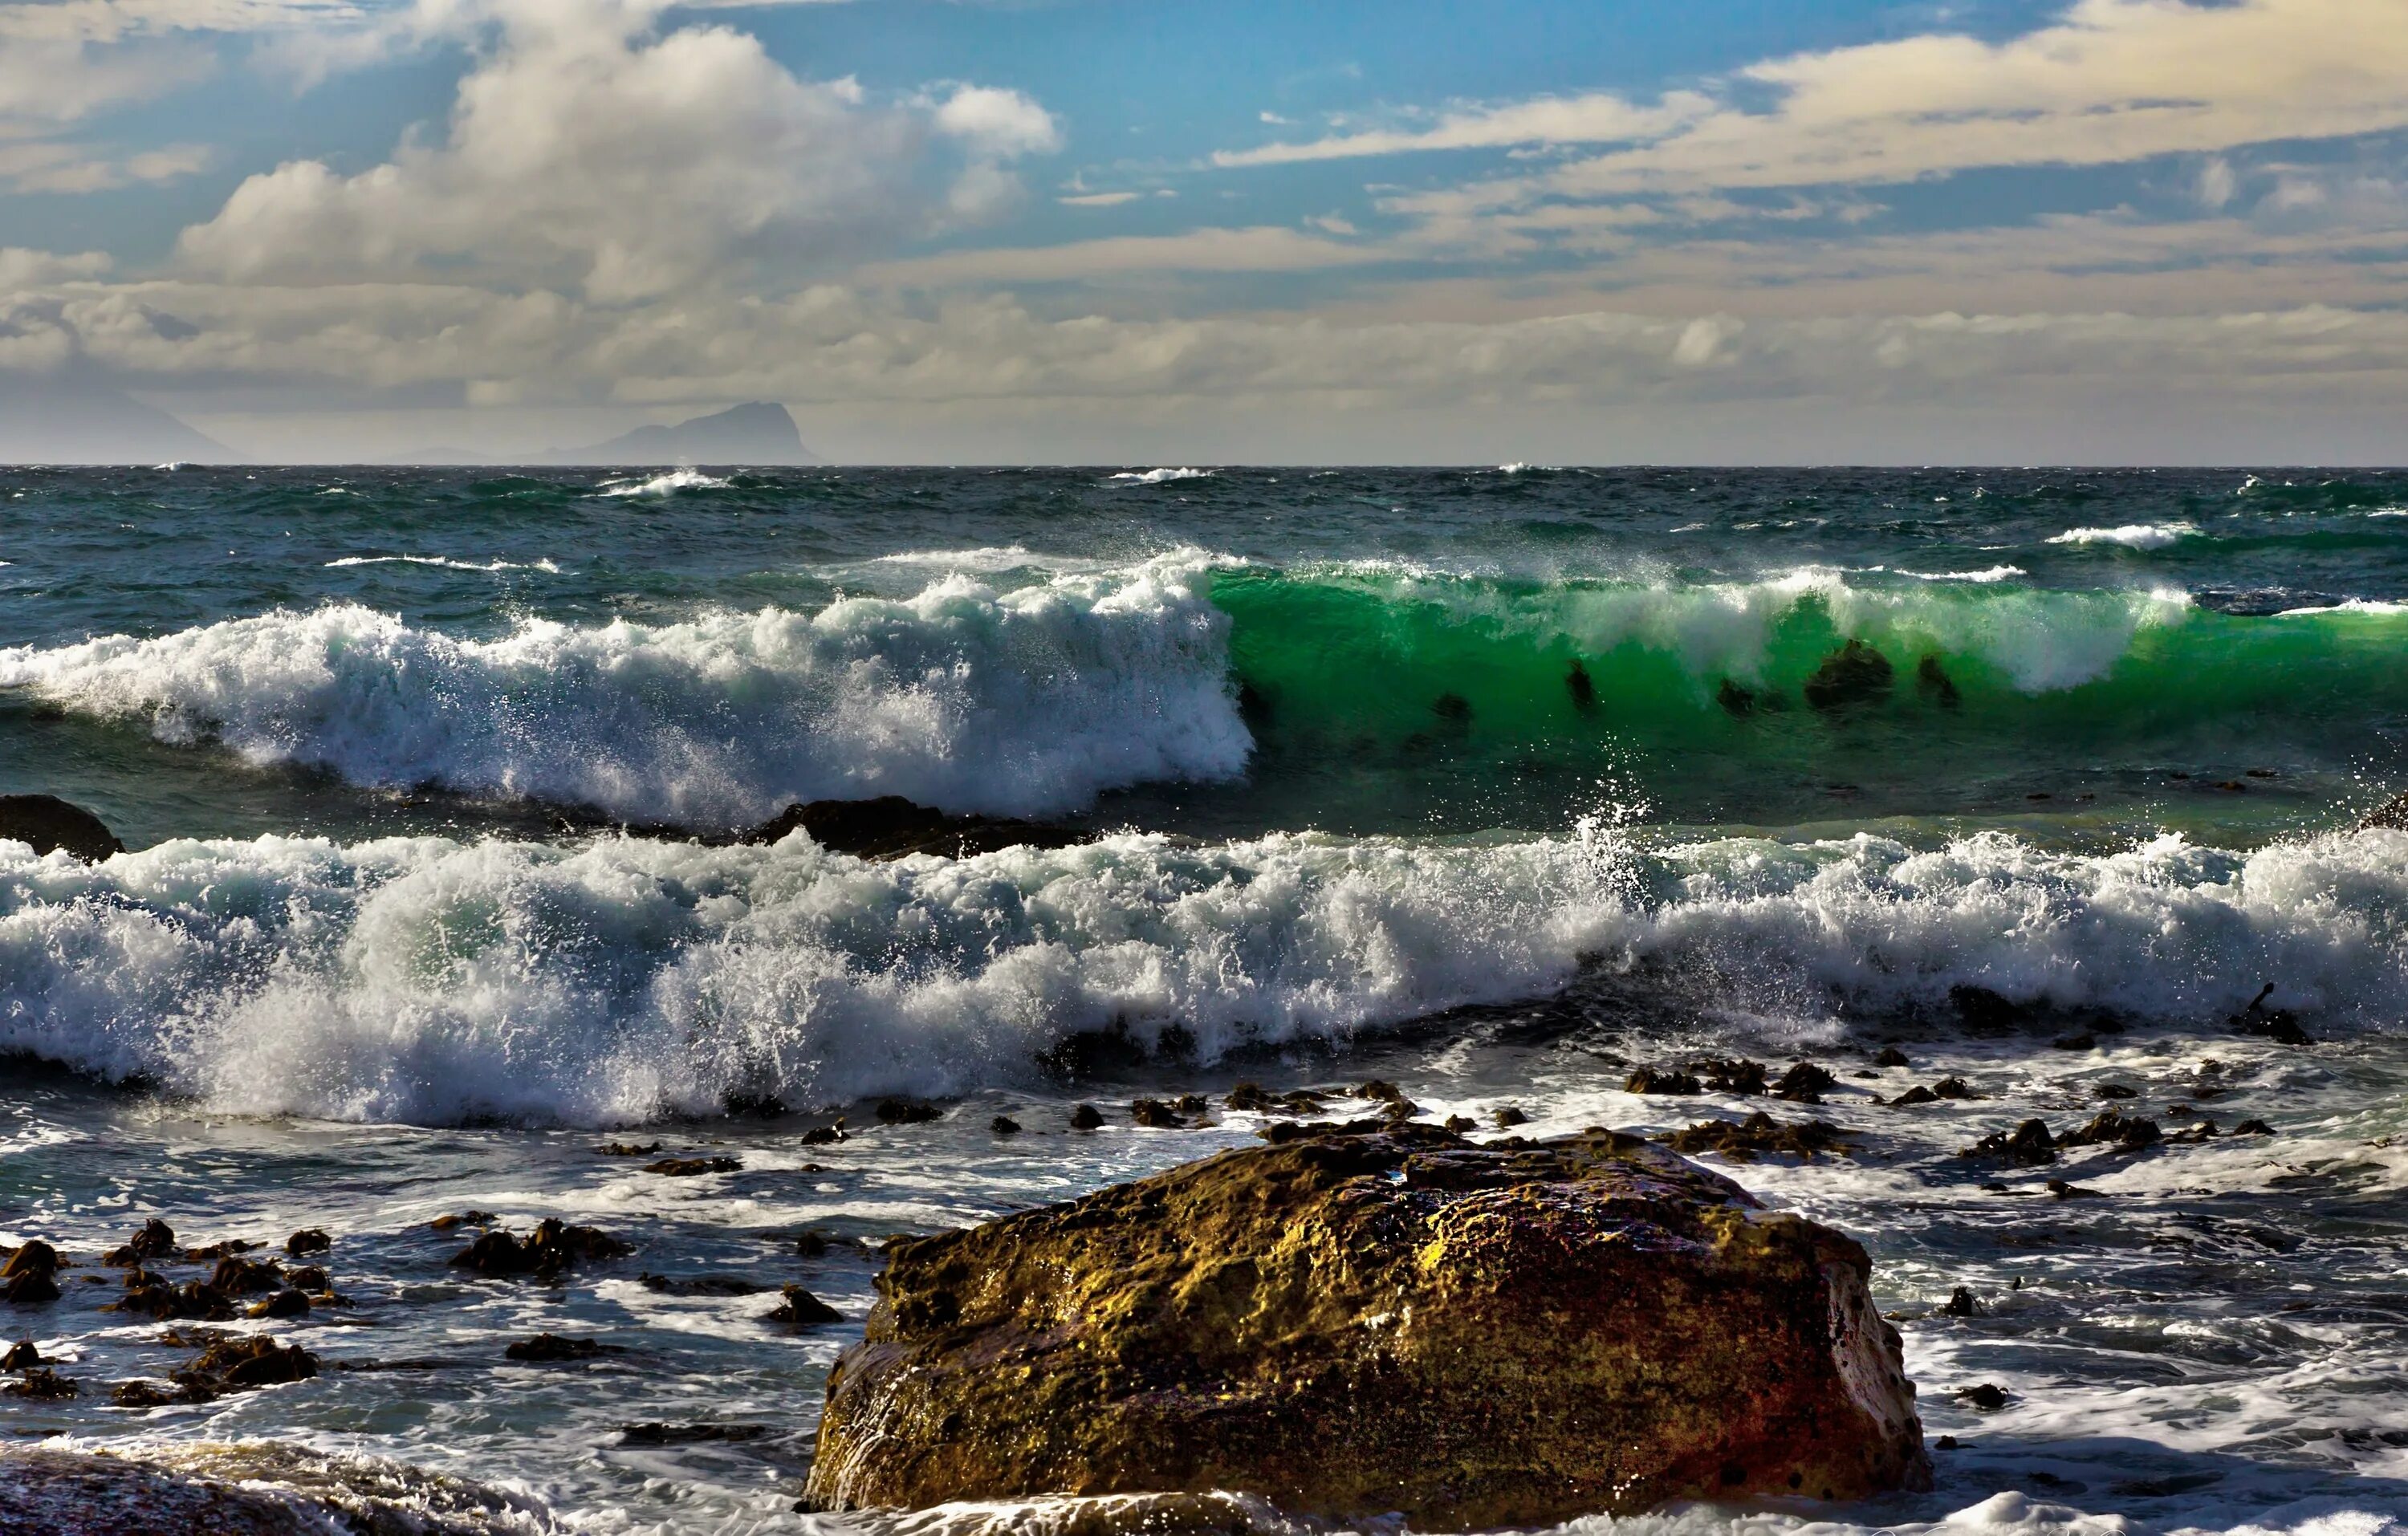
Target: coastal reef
1372,1319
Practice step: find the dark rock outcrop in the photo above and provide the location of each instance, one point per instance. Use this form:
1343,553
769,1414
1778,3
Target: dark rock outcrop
544,1252
892,828
1377,1319
49,824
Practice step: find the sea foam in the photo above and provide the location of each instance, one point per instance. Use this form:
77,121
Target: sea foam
618,979
961,696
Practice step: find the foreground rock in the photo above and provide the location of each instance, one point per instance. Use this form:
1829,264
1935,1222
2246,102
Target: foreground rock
1365,1320
49,824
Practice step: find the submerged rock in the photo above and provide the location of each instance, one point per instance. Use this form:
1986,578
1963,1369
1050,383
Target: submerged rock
256,1489
892,828
1378,1319
1741,1139
1855,673
49,825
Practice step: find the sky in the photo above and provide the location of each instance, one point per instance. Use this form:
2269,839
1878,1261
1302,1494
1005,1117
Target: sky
1126,231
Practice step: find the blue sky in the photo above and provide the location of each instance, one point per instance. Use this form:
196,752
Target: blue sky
2127,230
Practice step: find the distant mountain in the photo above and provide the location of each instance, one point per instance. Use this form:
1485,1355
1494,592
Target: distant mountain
759,432
60,419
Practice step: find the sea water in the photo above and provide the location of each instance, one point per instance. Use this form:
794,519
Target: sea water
1493,784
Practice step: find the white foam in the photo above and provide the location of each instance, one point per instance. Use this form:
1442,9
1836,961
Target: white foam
667,484
2131,536
1158,477
440,561
426,981
1989,575
1022,702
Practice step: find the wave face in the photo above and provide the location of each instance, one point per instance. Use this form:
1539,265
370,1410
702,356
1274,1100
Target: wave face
961,696
428,980
975,694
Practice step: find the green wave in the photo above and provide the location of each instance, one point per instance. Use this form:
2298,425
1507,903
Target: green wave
1417,659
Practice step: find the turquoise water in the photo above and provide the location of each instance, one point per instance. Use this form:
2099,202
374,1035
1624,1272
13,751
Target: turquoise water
1492,784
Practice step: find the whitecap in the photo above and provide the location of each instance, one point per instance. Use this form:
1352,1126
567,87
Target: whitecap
2131,536
442,562
668,484
1157,477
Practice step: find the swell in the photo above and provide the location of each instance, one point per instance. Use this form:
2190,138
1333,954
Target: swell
430,980
979,694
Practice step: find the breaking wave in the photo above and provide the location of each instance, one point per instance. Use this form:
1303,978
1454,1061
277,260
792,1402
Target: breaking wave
961,696
429,981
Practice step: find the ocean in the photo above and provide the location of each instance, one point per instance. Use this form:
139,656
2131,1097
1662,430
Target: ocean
1499,784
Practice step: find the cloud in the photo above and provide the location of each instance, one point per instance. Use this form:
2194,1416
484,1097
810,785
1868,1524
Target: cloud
2109,81
1597,118
588,151
1265,249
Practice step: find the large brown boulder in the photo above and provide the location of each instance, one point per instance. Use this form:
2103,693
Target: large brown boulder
1373,1319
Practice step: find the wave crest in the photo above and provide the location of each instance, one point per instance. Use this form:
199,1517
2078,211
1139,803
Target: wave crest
1015,703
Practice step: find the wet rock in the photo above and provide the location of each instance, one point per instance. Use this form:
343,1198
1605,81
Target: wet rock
310,1277
1961,1303
552,1349
893,828
1736,702
2084,1041
145,1393
1381,1092
1510,1116
284,1303
42,1385
2067,1191
309,1239
1954,1087
246,1276
1461,1123
1731,1076
1741,1139
2278,1025
156,1240
907,1112
1650,1080
1804,1083
2392,813
51,824
688,1167
2028,1145
2253,1127
1359,1323
1191,1103
1252,1098
690,1434
1582,688
1453,710
1931,679
1004,1125
1915,1095
2110,1128
1891,1056
217,1251
627,1149
21,1356
1086,1117
1987,1398
810,1244
28,1278
544,1252
1155,1114
245,1364
825,1136
1855,673
464,1218
801,1309
703,1285
2113,1090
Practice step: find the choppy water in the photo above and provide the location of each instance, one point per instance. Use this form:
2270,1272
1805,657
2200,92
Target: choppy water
1491,783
